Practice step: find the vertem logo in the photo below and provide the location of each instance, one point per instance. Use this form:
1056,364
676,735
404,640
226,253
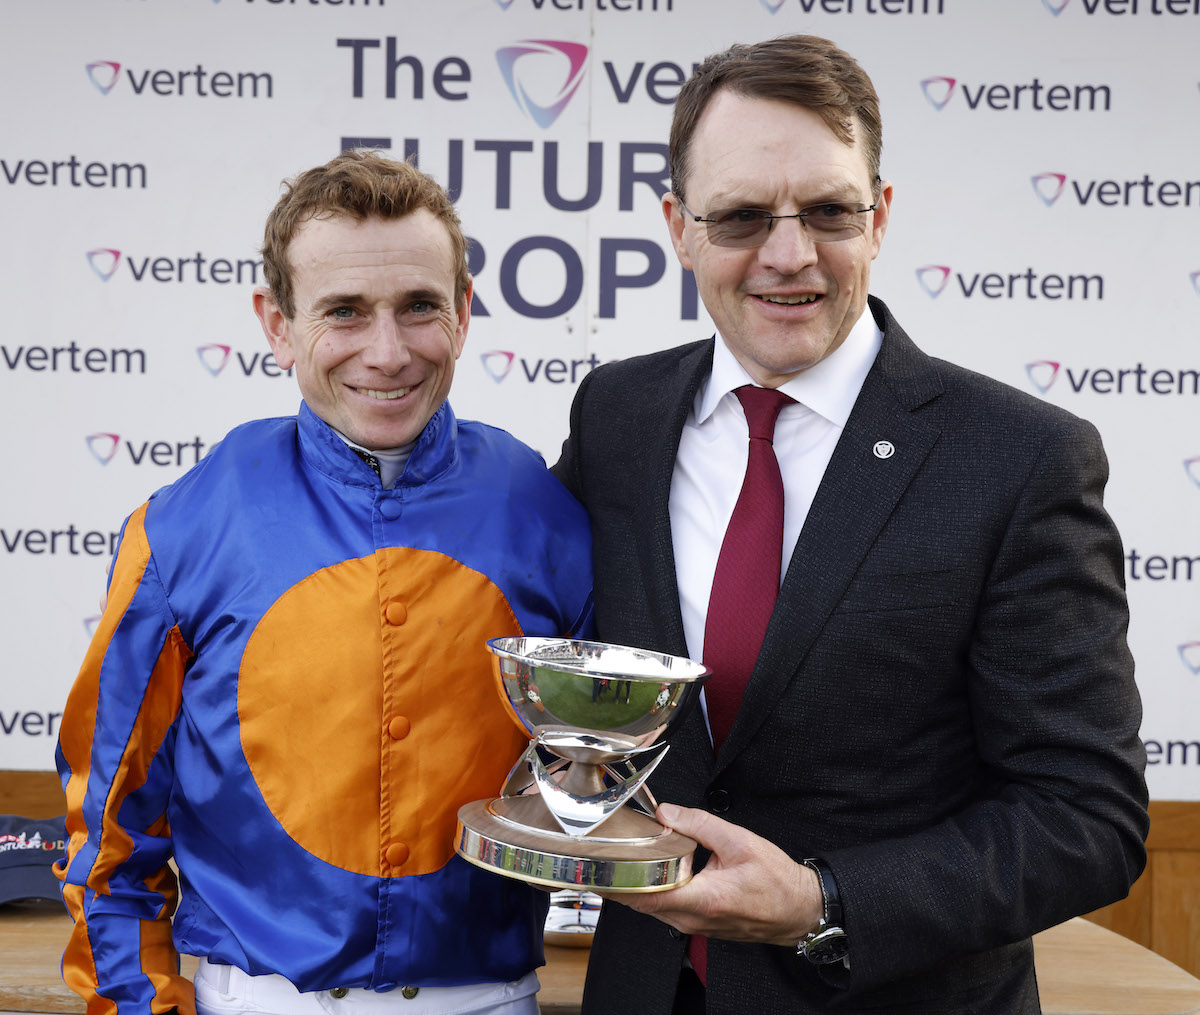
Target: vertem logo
1119,193
938,91
519,81
1036,96
1042,373
103,74
1189,652
104,262
198,81
497,363
1135,380
213,357
1012,285
1048,186
103,446
1120,8
863,6
933,278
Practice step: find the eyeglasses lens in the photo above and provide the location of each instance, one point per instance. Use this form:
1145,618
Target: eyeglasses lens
749,227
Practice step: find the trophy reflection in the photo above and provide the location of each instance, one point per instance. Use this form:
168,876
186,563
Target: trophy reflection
585,820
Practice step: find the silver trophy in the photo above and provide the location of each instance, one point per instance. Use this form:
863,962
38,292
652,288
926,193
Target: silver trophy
584,821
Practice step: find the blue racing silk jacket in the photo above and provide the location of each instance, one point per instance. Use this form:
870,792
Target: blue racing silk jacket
289,693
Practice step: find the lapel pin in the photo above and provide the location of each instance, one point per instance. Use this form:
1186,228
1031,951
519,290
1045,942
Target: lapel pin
884,449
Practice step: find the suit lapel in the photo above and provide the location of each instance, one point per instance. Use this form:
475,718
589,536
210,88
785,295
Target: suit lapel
855,499
659,432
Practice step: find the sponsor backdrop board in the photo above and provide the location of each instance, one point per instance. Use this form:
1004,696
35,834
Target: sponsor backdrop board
1046,165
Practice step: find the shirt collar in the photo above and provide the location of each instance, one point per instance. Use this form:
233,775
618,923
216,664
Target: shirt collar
829,389
391,461
327,451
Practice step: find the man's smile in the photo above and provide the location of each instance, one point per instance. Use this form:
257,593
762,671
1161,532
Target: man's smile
797,299
386,395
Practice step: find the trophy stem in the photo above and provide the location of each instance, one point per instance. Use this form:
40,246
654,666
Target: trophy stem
583,779
581,813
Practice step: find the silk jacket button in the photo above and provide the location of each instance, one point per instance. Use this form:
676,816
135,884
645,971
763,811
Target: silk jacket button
396,854
390,509
396,613
399,728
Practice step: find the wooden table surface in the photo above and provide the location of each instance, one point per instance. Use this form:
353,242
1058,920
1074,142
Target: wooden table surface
1082,969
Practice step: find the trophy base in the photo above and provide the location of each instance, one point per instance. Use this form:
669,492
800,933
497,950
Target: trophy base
502,835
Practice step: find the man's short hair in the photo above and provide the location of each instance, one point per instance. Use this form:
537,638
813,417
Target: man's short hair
802,69
358,184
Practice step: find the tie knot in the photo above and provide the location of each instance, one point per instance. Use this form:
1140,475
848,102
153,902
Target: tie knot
762,407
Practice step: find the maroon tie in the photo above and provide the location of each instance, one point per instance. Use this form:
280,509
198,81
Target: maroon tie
745,585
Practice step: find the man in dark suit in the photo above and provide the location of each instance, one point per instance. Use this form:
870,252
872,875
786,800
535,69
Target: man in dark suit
925,749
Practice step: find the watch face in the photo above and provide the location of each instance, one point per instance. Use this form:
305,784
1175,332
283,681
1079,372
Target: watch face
831,945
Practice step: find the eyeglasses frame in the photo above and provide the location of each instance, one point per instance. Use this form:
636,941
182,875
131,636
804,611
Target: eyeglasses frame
771,220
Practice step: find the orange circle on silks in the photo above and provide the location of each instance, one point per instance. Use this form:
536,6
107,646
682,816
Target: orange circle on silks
324,678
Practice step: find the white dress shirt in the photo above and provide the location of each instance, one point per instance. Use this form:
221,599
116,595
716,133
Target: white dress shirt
714,447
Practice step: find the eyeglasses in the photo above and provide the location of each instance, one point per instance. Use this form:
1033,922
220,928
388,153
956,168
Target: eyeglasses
749,227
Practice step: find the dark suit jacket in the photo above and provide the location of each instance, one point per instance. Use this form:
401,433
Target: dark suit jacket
943,708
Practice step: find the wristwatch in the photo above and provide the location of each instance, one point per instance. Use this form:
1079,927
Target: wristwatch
828,943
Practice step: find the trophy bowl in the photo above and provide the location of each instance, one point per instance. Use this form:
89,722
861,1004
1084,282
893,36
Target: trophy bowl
585,820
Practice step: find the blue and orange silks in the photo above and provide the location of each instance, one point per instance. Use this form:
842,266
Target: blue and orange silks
289,693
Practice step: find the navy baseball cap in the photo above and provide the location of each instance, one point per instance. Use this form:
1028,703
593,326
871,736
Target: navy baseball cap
28,849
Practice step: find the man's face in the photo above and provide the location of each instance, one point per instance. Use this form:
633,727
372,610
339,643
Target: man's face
786,305
376,330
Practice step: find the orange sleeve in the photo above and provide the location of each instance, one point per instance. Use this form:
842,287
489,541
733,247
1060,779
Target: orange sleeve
117,883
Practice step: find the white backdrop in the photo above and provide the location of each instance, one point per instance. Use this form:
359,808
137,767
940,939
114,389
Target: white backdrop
1046,161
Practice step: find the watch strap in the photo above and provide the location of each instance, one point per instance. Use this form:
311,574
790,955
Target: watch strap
828,943
831,900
